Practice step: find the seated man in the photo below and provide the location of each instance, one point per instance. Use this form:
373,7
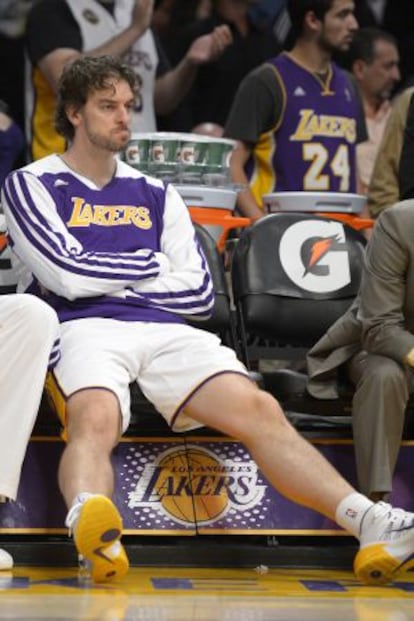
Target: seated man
374,343
29,343
115,253
384,189
405,166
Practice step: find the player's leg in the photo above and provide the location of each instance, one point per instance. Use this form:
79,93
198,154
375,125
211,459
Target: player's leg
92,430
94,418
86,480
231,404
234,405
378,414
192,362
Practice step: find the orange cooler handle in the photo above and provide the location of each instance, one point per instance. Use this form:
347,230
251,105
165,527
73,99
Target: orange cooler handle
348,218
218,217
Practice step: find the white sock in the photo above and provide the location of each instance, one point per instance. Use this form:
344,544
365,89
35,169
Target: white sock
351,510
73,512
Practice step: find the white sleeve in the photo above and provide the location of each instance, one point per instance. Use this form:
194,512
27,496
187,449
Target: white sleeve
41,240
186,288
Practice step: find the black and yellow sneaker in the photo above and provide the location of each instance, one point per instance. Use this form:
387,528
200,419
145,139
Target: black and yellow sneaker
97,533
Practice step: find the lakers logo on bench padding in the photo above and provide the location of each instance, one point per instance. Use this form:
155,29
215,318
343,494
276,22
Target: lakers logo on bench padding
193,484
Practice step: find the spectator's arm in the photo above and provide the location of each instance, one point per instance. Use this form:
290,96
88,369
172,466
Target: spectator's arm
171,87
245,200
52,64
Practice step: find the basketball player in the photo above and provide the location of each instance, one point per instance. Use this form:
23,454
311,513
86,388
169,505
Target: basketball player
298,117
115,253
29,343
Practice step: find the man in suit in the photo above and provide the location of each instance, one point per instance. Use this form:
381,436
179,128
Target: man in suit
374,342
384,188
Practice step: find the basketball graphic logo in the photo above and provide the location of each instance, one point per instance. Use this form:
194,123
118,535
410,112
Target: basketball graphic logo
193,485
191,476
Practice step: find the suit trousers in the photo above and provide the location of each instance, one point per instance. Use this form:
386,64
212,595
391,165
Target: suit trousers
28,331
382,390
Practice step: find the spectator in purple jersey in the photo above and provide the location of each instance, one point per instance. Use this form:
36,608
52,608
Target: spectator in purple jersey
115,253
298,117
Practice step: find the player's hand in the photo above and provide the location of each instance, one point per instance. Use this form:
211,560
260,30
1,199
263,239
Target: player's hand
142,14
210,47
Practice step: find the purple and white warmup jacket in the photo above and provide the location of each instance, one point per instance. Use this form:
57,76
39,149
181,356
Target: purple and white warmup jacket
126,251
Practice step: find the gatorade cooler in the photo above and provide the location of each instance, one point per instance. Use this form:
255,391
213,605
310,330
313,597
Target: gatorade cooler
337,205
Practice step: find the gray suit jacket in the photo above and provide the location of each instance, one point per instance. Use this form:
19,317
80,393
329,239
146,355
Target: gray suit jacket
381,319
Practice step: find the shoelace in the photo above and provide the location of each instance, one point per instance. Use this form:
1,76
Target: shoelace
395,518
379,505
72,516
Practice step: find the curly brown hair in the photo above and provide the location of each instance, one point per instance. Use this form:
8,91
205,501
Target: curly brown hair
84,76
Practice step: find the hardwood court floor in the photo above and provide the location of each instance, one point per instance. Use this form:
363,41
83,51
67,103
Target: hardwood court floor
194,594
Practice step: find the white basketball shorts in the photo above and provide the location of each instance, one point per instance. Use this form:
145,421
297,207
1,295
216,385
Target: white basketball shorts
169,361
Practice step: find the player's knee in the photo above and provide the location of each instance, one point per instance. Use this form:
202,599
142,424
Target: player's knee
264,413
387,372
93,420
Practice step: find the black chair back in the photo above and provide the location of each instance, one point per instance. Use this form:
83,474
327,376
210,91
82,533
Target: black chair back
293,275
222,320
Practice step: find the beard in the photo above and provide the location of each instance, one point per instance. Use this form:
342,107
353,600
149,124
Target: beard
114,143
331,48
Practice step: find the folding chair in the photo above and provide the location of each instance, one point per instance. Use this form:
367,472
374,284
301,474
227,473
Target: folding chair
293,275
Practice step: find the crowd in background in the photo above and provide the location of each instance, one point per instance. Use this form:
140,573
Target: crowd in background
259,30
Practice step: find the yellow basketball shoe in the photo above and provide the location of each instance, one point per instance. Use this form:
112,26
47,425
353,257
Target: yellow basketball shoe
386,544
97,530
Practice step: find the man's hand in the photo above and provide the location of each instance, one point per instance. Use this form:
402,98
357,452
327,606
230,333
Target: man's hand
409,359
209,47
142,14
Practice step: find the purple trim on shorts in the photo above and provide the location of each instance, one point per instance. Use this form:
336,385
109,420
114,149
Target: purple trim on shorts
75,392
66,397
192,393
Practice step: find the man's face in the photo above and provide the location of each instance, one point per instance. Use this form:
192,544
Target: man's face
106,117
338,26
379,78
